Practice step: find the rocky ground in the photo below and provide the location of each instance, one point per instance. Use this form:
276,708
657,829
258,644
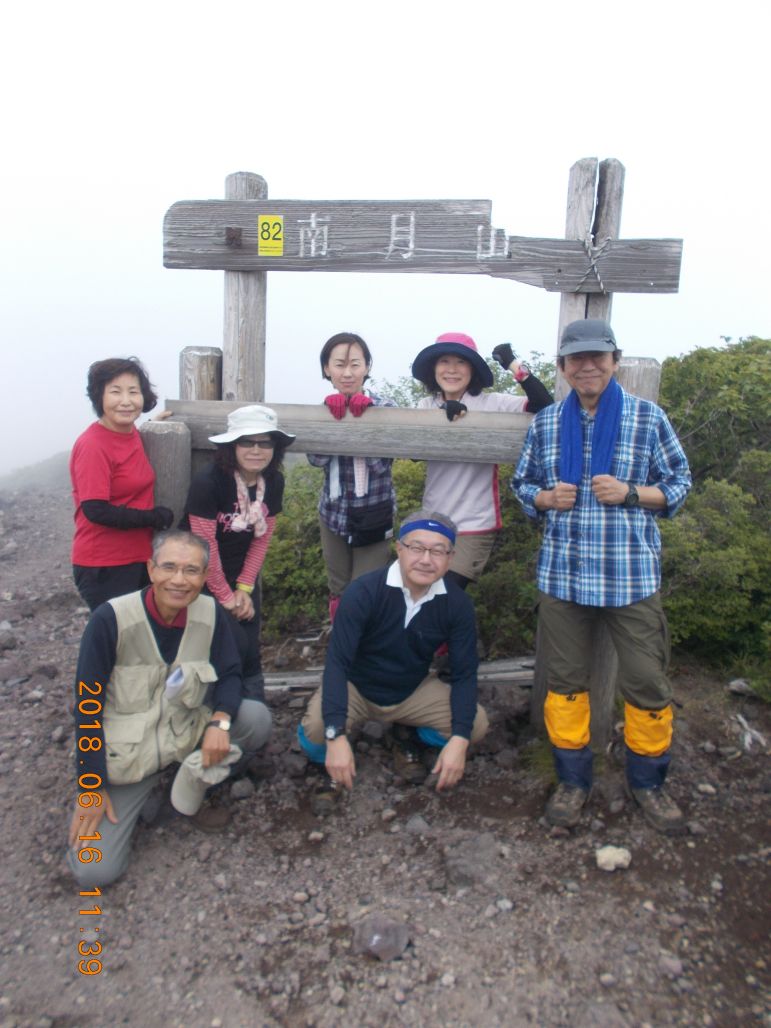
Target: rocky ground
498,920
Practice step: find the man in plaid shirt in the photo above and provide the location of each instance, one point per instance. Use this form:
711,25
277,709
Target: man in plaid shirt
599,469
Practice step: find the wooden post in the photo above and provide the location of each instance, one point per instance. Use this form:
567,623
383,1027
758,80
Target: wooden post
593,219
607,225
578,225
200,373
243,363
167,444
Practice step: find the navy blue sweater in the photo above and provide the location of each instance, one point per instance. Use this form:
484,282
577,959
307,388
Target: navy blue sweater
371,648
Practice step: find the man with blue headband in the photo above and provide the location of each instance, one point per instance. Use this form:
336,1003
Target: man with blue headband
599,469
386,631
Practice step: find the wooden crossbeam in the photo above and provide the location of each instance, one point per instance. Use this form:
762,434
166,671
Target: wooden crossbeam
439,236
478,437
618,266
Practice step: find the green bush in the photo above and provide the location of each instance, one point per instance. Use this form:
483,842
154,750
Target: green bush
504,596
717,401
294,579
716,569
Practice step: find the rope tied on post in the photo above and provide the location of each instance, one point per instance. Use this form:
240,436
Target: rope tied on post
595,254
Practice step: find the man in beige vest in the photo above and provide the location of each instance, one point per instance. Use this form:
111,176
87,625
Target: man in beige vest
158,681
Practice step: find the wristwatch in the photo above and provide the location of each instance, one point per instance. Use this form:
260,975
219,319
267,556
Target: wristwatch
330,732
632,498
222,722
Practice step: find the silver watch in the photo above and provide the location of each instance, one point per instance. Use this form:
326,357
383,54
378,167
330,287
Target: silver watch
223,722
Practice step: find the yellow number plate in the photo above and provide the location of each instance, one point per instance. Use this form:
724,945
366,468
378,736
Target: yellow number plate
270,233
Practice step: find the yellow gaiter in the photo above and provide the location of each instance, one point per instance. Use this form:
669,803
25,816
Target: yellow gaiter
567,719
647,732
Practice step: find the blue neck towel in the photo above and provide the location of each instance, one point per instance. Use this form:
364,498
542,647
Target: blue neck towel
607,422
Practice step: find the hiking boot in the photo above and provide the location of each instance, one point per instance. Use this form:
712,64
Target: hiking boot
408,764
325,797
211,819
408,755
565,805
659,810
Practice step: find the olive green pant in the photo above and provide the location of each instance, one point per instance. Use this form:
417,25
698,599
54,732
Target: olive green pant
640,635
345,562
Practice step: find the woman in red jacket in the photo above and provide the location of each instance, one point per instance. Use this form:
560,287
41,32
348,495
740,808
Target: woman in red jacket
112,486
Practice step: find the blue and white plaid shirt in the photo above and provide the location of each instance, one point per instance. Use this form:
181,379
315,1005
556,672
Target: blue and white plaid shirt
334,513
596,554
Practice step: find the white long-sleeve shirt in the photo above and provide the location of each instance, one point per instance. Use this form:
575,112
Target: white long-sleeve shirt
466,492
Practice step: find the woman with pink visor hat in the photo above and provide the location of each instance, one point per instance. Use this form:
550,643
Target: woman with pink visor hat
455,375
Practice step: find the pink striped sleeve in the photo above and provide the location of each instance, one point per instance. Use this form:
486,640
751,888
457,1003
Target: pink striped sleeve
216,582
255,555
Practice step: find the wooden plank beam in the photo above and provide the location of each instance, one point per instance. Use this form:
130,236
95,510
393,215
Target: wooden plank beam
623,265
338,234
479,437
446,237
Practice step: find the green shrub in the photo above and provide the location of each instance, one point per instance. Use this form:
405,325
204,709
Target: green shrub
717,400
294,579
716,569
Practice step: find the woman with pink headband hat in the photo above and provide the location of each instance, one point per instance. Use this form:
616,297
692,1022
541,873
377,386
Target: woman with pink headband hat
455,373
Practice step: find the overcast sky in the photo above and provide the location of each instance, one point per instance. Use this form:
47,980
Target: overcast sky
111,114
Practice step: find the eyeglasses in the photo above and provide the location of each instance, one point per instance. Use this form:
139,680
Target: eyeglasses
248,444
437,552
187,571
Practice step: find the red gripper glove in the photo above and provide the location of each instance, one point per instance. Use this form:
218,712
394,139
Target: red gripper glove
336,404
358,403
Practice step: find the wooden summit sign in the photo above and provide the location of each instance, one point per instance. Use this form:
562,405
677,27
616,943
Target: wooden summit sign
450,236
246,235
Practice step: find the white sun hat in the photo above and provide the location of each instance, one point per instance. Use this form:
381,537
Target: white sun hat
253,420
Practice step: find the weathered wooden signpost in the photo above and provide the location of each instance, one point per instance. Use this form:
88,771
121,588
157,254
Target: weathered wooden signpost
246,235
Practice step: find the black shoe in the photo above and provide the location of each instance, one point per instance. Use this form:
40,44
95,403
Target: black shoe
325,797
408,755
659,810
565,805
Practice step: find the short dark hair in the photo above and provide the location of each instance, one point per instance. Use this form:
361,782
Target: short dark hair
475,386
225,454
101,373
616,357
348,339
180,535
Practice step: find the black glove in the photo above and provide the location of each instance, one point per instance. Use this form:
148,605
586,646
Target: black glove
504,354
453,409
162,518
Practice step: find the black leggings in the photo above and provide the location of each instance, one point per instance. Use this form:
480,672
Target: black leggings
97,585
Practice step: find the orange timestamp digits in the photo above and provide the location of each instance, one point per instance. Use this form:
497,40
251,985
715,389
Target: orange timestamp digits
89,951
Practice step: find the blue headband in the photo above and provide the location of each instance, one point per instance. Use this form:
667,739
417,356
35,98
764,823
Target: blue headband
427,526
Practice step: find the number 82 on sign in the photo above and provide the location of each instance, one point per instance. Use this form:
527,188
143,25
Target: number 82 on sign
270,235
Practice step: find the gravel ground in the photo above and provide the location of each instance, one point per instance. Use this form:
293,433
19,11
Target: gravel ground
497,920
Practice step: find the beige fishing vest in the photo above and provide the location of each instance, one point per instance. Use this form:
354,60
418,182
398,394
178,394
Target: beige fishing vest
144,729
